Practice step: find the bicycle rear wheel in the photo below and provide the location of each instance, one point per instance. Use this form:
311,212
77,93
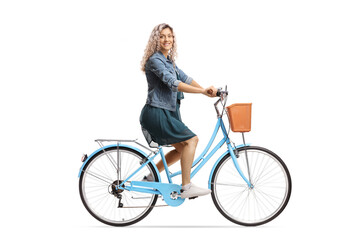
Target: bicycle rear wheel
98,181
251,206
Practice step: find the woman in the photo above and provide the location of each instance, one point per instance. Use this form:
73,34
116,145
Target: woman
160,118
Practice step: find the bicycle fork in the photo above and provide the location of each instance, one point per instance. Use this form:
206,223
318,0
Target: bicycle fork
234,158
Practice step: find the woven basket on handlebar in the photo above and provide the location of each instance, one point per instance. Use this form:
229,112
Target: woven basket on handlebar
240,117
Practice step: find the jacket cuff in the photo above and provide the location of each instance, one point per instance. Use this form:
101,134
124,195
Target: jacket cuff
175,85
188,80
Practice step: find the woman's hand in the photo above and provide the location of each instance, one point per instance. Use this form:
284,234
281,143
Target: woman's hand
210,91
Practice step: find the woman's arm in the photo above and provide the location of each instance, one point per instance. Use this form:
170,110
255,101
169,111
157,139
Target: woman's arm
196,88
189,85
183,87
195,84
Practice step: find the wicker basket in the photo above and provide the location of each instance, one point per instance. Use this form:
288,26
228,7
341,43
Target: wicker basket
240,117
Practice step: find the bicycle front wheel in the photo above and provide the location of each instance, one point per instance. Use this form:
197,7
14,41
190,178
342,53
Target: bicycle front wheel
99,178
251,206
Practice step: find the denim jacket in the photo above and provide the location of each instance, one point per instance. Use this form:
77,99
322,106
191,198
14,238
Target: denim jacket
163,82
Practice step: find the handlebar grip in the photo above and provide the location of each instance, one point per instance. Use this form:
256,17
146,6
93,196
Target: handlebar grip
218,93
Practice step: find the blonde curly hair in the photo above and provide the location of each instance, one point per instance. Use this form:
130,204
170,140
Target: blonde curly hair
154,45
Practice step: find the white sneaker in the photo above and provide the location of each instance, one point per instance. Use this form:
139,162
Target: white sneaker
192,191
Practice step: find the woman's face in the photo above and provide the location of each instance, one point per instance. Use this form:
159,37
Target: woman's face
166,40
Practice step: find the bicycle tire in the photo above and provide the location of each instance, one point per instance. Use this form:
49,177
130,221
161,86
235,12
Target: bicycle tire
251,206
97,177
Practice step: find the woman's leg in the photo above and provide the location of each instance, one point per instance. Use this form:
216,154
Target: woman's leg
190,190
184,150
171,157
187,158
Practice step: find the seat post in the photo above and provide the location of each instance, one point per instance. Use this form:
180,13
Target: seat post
165,164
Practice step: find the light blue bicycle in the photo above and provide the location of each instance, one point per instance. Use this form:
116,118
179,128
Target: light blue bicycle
250,185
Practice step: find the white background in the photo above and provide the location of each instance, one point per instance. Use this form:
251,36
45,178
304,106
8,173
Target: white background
69,74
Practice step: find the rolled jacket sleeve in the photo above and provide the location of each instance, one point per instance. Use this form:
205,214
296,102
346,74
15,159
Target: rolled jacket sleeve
167,76
183,77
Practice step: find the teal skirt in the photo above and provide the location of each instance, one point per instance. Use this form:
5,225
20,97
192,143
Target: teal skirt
163,127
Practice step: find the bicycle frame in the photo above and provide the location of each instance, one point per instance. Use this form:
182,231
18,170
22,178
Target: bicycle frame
149,187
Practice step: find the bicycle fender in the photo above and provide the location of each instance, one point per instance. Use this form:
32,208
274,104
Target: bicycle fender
219,159
120,145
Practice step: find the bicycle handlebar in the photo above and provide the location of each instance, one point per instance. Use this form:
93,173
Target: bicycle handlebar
218,93
223,97
221,93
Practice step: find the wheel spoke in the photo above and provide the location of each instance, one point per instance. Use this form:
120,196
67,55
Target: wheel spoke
99,177
232,184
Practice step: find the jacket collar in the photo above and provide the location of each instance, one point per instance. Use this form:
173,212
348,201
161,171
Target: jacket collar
162,56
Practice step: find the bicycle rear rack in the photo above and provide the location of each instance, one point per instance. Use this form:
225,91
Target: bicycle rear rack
119,141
